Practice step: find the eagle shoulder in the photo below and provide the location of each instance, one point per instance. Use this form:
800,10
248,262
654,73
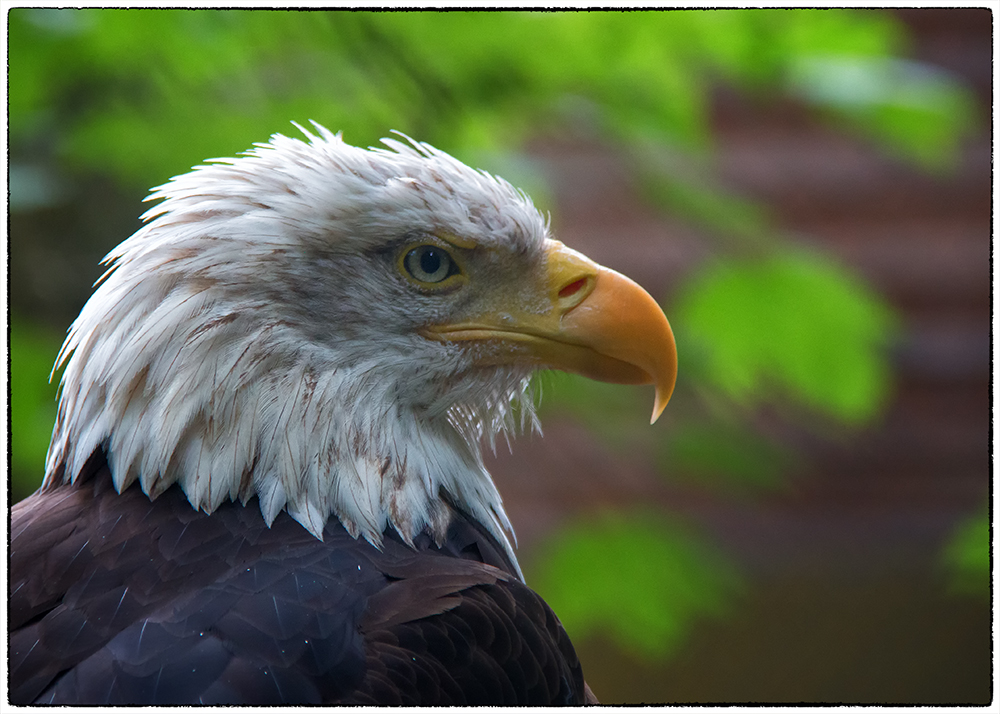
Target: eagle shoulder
116,599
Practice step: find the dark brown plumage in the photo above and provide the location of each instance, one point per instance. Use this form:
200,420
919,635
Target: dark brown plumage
119,600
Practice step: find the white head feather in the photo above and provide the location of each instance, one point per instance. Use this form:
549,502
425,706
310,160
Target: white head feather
251,339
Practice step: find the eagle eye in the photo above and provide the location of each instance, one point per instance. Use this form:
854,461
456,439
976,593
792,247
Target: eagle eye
430,265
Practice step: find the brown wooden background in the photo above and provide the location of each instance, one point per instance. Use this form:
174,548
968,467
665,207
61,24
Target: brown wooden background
847,599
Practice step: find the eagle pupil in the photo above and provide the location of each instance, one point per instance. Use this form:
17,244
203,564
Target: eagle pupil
430,262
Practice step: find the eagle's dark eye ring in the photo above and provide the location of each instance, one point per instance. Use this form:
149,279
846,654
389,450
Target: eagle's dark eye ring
429,264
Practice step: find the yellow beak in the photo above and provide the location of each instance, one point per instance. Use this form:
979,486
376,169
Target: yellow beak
590,320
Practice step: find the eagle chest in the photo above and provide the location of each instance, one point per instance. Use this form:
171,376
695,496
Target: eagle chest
119,600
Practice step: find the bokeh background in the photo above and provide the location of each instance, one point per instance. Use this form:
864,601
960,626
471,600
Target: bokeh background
806,191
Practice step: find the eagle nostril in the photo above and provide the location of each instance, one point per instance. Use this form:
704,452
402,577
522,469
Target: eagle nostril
574,292
572,288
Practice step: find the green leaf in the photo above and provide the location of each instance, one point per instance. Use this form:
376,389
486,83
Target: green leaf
967,556
726,456
917,111
637,578
792,325
861,33
673,181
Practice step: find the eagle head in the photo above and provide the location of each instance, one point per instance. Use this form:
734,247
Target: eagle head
337,331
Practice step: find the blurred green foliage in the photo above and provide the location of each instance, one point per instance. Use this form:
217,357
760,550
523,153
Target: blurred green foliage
967,556
32,401
145,94
148,93
726,455
793,325
913,110
641,565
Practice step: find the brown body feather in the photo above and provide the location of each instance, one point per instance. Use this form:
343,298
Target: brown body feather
116,599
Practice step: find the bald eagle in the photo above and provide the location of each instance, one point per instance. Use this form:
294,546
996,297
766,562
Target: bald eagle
265,483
